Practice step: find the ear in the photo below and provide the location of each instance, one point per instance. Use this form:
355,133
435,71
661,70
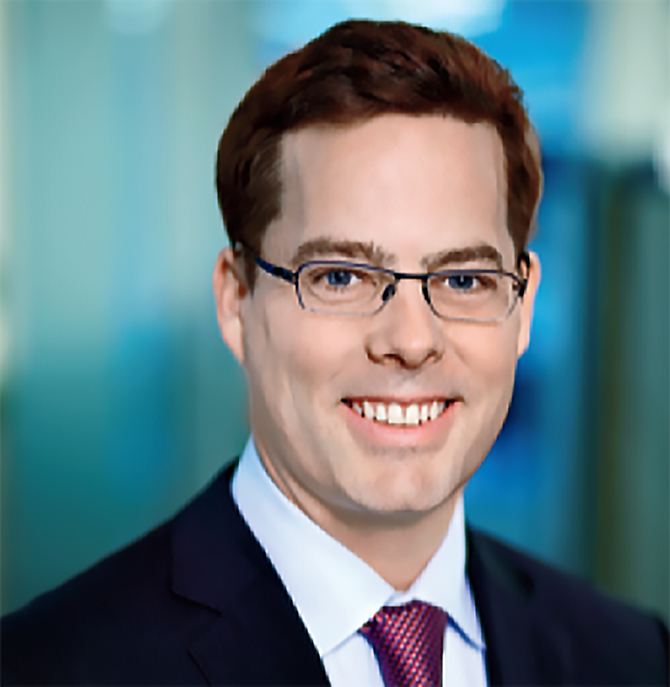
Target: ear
230,289
528,303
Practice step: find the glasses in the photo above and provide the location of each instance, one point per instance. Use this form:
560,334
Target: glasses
340,287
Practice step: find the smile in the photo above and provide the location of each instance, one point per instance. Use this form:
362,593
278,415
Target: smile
395,413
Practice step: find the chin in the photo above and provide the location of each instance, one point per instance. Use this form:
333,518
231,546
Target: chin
407,493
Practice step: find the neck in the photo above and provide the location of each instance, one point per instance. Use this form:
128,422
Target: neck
396,547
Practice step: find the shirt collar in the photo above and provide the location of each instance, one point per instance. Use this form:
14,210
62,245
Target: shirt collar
334,591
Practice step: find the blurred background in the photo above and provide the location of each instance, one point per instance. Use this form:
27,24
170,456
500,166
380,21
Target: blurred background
118,399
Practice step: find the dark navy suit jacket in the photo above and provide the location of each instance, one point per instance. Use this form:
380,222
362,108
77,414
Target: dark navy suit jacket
197,602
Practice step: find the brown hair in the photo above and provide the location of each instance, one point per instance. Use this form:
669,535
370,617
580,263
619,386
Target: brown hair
353,72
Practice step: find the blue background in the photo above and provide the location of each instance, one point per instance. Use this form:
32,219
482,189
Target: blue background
118,399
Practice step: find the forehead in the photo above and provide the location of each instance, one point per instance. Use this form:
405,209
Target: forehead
408,185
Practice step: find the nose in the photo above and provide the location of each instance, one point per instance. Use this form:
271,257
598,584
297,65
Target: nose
406,332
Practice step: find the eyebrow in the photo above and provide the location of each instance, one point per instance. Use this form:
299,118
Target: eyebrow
323,247
482,251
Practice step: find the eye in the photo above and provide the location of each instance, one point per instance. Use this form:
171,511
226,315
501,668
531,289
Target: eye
339,277
336,278
462,282
468,282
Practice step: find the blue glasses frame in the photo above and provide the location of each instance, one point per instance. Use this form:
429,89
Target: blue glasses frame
293,277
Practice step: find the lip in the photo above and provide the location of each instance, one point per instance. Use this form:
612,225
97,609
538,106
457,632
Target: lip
385,434
403,401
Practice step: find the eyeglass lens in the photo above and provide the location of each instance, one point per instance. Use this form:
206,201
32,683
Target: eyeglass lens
455,294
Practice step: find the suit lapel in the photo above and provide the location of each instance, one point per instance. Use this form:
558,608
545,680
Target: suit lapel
255,635
522,648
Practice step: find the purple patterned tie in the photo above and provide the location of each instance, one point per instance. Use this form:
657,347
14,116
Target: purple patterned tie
408,641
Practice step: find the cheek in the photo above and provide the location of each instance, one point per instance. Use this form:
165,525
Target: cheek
295,352
489,355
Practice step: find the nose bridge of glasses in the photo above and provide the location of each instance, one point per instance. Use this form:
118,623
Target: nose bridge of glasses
391,288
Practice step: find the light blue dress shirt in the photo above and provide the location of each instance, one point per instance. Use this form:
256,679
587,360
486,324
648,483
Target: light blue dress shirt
335,592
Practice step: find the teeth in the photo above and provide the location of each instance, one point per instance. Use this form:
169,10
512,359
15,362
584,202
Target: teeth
396,414
368,410
412,415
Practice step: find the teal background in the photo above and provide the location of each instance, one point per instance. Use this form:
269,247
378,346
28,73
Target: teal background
118,399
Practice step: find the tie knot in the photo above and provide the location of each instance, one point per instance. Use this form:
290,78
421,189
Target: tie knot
408,641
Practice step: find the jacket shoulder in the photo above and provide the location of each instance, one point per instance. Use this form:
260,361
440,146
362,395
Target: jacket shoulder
120,617
607,640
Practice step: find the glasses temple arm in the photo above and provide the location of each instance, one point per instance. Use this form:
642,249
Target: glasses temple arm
274,270
523,281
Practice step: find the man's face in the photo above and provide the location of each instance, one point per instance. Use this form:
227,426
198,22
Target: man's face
407,189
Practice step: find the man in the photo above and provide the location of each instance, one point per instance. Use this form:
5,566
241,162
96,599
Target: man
378,187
